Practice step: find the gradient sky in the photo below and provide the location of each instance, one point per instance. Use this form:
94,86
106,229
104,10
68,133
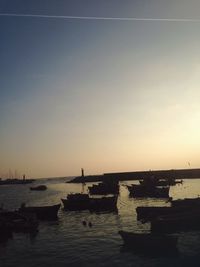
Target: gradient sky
105,95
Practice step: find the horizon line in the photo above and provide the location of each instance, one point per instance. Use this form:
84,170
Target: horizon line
98,18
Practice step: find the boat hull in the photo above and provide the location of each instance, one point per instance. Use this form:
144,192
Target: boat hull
43,212
75,205
39,188
184,221
149,213
103,204
91,204
146,191
187,202
19,222
149,242
104,189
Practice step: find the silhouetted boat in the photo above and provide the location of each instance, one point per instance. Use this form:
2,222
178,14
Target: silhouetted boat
5,230
76,202
39,188
161,182
19,222
104,188
84,202
186,202
148,242
148,213
183,221
103,204
156,183
42,212
148,191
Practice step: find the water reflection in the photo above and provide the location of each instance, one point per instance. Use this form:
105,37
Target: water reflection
68,242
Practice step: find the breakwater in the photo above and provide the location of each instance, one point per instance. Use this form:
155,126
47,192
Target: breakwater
16,181
137,175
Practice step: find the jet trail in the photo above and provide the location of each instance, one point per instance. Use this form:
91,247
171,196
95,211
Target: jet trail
98,18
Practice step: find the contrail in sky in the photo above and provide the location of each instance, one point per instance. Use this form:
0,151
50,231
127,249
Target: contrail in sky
97,18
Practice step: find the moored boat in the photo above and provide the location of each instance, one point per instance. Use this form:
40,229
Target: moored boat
103,204
156,183
42,212
153,181
183,221
5,231
148,242
191,202
19,222
39,188
76,201
104,188
148,191
84,202
148,213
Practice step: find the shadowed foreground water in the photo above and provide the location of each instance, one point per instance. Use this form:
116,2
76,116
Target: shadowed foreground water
67,242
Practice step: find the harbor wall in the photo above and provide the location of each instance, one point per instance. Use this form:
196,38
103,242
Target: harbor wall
137,175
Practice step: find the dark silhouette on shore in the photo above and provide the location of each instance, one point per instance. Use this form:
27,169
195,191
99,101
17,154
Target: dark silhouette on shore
137,175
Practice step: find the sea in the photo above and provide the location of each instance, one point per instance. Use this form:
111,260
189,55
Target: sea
67,242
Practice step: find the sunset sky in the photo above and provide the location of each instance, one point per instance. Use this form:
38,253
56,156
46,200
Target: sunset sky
108,95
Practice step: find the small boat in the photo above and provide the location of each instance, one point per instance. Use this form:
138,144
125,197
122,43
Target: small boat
5,231
191,202
84,202
148,213
5,234
184,221
104,188
19,222
76,201
148,242
153,181
148,191
156,183
42,212
103,204
159,182
39,188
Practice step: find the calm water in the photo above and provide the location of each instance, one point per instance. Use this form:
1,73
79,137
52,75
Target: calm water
67,242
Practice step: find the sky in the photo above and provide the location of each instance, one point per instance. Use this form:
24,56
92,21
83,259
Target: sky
108,86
